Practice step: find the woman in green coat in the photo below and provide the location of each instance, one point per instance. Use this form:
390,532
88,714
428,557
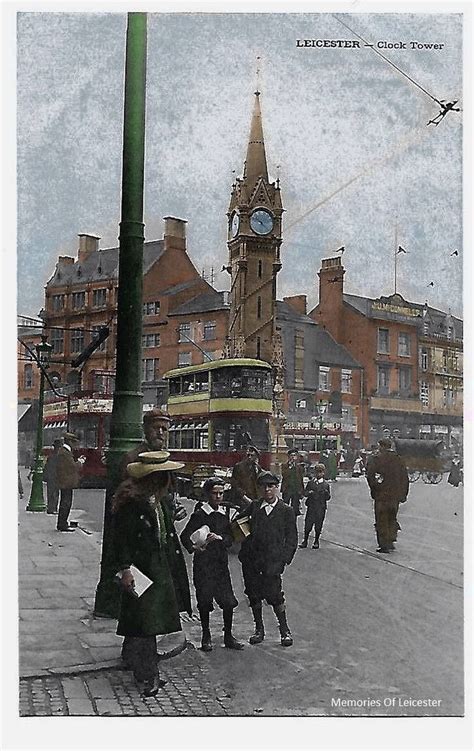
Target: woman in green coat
144,536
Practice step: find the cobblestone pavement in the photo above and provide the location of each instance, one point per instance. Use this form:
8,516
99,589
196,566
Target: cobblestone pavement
189,691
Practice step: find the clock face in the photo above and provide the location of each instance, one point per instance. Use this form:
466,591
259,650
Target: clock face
235,223
261,222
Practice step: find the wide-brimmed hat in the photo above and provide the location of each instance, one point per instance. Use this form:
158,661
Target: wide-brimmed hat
268,478
152,461
70,437
250,447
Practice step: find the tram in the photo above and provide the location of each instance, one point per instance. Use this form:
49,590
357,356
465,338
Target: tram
217,409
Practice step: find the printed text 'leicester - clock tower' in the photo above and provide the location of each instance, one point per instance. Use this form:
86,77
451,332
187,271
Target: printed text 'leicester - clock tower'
254,239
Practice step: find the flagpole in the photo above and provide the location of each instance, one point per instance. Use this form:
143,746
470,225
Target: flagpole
395,259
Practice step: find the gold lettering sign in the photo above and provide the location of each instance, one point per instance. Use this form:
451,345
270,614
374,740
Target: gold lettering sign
398,309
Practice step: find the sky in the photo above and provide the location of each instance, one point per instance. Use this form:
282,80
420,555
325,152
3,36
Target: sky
346,133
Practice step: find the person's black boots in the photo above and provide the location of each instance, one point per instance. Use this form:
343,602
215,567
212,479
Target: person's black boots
304,544
259,634
229,640
206,641
285,633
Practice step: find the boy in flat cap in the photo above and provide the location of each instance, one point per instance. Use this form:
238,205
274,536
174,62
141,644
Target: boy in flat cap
244,478
292,485
318,494
270,547
208,535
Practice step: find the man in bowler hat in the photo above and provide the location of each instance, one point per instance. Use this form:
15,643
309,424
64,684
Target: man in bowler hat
387,477
67,477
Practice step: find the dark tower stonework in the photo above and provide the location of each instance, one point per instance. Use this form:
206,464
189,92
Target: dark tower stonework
254,239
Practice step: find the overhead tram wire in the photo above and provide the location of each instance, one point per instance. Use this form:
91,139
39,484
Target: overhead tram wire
377,52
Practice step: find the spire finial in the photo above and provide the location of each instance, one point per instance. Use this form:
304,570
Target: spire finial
257,73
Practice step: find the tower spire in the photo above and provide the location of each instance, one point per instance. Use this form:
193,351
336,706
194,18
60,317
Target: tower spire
256,162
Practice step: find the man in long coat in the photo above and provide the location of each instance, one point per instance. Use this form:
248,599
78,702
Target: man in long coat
51,480
388,481
244,478
292,485
68,477
264,554
144,536
211,574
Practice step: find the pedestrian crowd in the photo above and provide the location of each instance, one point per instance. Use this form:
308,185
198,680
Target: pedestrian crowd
150,565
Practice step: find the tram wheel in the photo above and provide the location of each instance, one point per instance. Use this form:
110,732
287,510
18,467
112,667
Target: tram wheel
432,478
414,476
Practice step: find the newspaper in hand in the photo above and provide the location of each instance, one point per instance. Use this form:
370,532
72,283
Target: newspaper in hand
142,582
199,537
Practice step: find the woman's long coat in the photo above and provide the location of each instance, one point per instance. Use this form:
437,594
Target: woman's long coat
137,541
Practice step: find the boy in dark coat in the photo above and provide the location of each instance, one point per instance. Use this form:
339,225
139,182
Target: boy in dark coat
318,494
144,536
292,485
211,574
270,547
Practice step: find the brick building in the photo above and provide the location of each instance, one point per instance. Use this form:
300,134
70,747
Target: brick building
81,296
405,389
28,378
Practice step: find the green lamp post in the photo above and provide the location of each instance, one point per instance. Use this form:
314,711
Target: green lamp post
36,502
321,411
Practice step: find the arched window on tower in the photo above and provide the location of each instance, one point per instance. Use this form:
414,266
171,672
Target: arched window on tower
260,268
259,307
258,348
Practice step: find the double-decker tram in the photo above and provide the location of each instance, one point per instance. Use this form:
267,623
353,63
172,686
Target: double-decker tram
217,409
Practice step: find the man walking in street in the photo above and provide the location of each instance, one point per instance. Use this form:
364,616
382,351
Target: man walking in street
208,535
264,554
67,475
244,478
318,494
51,480
292,485
387,477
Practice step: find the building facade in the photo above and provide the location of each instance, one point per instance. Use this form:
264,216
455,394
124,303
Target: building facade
412,381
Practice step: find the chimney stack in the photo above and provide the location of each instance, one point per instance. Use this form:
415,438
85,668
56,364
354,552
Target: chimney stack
298,303
175,233
331,288
87,244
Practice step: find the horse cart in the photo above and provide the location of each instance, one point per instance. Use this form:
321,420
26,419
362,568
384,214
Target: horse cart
422,458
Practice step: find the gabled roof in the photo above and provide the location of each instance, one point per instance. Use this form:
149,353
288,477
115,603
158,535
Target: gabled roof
319,346
437,320
101,265
203,303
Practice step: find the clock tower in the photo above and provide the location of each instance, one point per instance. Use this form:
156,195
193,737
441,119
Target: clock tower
254,239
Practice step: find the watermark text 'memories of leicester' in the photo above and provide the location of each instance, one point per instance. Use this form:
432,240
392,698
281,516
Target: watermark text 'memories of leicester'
389,701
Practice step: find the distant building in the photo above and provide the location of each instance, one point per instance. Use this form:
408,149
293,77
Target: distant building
411,355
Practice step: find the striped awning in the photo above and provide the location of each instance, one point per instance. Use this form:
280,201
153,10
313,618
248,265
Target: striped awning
62,424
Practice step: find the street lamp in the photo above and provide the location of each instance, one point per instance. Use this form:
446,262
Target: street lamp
321,411
36,502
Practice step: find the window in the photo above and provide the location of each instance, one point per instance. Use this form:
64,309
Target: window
323,379
426,327
151,308
300,404
95,331
346,381
58,302
424,358
383,341
151,340
259,348
78,300
184,358
424,393
445,360
450,332
27,353
99,298
150,369
56,340
404,379
449,396
260,269
28,376
208,356
259,307
404,342
184,332
77,340
209,331
383,379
